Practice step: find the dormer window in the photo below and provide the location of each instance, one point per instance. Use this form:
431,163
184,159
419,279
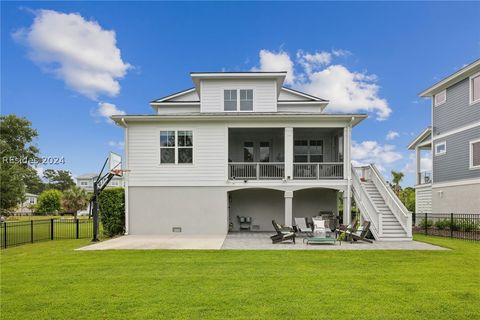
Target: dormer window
232,103
246,100
440,98
230,100
475,88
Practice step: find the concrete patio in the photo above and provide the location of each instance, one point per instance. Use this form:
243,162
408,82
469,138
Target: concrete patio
242,241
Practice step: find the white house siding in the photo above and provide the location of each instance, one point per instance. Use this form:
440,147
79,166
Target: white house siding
190,96
456,199
264,94
209,165
298,108
423,198
178,109
196,210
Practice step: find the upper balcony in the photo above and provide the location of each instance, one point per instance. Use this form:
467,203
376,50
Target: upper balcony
260,154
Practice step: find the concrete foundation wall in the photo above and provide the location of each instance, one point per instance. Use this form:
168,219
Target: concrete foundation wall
262,205
309,202
456,199
197,210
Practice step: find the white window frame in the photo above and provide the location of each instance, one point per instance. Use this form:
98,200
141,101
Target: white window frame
472,167
84,183
438,144
238,99
176,164
470,90
435,101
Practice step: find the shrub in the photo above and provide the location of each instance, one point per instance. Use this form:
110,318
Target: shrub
442,224
426,223
49,201
111,204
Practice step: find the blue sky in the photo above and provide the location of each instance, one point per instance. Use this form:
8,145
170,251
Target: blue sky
390,51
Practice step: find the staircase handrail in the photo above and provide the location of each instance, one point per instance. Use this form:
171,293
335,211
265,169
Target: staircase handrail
365,204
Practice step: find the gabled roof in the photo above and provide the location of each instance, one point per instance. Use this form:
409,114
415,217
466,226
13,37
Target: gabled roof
423,138
304,96
87,176
461,74
175,95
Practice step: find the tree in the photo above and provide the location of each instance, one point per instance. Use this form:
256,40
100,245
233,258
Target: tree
17,152
407,196
59,179
397,178
49,201
112,211
33,183
74,199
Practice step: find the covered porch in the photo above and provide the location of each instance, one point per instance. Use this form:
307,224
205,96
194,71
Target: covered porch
253,209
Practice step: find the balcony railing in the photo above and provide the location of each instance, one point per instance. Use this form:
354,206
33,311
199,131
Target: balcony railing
318,170
424,177
256,170
276,170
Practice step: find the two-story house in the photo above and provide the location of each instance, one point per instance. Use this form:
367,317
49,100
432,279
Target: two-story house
85,181
242,147
453,138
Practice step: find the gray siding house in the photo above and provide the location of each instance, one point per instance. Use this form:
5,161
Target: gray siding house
454,140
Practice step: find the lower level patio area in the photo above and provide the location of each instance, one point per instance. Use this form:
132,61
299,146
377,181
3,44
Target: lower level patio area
242,241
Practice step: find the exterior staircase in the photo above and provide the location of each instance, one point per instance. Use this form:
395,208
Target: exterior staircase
390,220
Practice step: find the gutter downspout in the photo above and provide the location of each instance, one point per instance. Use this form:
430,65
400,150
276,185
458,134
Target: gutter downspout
125,177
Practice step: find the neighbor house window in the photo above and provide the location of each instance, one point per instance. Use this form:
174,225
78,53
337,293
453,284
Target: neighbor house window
31,200
475,154
230,100
440,148
246,100
176,147
84,183
440,98
475,88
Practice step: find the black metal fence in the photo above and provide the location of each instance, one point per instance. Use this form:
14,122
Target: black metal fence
13,233
452,225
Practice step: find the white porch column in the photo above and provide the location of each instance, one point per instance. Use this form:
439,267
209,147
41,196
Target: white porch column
288,207
417,164
347,195
288,153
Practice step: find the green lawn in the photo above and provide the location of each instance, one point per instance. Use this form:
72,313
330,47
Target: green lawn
49,280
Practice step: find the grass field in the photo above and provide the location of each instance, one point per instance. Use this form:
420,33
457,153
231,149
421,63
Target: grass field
49,280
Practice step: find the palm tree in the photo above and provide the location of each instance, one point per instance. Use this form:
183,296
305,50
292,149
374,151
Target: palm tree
74,199
397,177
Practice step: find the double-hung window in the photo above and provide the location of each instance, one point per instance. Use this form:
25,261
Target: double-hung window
440,148
238,100
440,98
475,88
176,147
308,151
475,154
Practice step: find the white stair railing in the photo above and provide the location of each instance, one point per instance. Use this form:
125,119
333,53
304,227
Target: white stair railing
403,216
365,204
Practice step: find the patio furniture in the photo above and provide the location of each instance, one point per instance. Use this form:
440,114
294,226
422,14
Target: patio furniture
284,233
351,228
319,228
319,240
245,223
301,225
361,233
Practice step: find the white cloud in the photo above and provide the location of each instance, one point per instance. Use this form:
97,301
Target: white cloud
369,151
392,135
106,110
425,163
276,61
348,91
80,52
116,144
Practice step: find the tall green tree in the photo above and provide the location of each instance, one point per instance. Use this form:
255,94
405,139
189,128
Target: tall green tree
59,179
33,183
16,151
74,199
397,178
407,196
49,202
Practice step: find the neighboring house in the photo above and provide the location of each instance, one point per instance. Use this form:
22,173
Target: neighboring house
85,181
25,208
453,138
241,144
